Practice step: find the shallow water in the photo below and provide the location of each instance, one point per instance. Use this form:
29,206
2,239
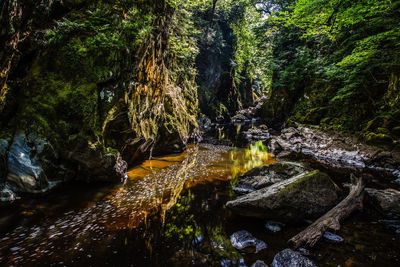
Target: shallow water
171,212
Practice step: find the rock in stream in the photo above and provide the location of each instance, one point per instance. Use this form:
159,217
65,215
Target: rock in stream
243,240
307,195
290,258
264,176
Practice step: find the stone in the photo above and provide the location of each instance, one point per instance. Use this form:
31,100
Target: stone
7,195
388,199
332,238
291,258
204,123
259,263
25,173
307,195
274,226
242,240
264,176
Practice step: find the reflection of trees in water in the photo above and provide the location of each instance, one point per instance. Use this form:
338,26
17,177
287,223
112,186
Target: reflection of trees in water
197,237
244,160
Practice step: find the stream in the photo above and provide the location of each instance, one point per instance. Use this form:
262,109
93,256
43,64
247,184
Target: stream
171,212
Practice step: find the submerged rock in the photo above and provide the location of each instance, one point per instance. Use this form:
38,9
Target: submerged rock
388,200
242,240
290,258
333,238
259,263
264,176
307,195
391,224
274,226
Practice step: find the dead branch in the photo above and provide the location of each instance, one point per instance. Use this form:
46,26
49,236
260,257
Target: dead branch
331,220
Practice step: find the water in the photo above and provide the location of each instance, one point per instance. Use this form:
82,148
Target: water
171,212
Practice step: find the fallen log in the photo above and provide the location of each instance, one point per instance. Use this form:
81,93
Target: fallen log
331,220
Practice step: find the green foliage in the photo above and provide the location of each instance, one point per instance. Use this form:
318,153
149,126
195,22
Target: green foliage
338,55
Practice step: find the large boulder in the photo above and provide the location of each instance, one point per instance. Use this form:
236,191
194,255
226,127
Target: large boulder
291,258
388,199
25,173
267,175
304,196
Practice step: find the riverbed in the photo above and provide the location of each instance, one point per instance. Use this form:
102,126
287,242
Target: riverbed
171,212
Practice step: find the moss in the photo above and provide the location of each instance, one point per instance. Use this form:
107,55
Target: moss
381,130
378,139
382,121
309,181
315,115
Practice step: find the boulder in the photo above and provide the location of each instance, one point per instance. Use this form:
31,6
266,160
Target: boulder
204,123
307,195
291,258
388,199
94,163
25,173
264,176
243,240
7,195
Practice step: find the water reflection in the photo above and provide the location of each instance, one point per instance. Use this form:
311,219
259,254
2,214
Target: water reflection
244,160
152,188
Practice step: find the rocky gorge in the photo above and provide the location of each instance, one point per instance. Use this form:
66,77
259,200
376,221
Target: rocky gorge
208,133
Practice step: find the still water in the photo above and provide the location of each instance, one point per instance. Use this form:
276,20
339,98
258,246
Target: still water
170,212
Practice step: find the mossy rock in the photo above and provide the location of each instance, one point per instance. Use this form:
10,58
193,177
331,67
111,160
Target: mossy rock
383,121
378,139
305,196
381,130
315,115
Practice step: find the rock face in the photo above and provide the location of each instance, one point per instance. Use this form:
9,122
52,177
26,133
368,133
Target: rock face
307,195
291,258
388,200
264,176
24,171
244,240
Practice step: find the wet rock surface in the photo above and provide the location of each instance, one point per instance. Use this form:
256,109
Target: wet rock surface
334,149
291,258
25,173
307,195
388,200
264,176
259,263
243,240
332,238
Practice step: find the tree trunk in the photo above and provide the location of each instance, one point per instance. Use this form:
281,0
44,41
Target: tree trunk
332,219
